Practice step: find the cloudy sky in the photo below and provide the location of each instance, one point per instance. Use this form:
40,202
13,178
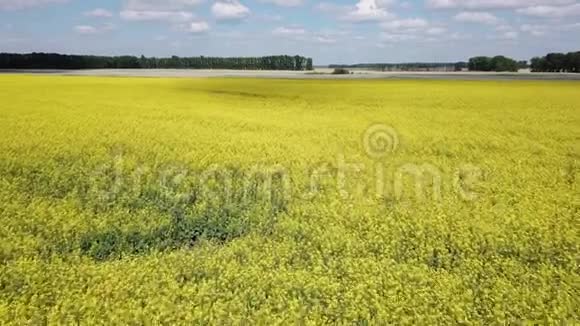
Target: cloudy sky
340,31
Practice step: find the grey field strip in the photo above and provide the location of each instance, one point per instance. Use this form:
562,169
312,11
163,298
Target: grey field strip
318,74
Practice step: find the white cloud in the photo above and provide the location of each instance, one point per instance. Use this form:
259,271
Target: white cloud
12,40
396,38
406,5
160,5
551,11
289,31
173,11
299,33
476,17
176,44
170,16
269,17
504,28
229,10
26,4
492,4
197,27
535,30
99,12
571,26
331,8
405,24
542,30
511,35
369,10
324,39
284,3
410,29
231,34
85,29
436,31
91,30
460,36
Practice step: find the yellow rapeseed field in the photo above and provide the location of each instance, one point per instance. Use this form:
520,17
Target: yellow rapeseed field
254,201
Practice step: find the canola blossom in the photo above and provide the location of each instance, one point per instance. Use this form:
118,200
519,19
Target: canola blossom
257,201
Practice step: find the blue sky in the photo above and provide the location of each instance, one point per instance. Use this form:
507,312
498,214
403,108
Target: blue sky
341,31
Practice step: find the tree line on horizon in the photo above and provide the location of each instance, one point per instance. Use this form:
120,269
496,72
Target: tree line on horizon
62,61
553,62
498,63
408,66
557,62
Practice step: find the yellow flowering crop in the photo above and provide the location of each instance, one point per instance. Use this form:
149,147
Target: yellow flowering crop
255,201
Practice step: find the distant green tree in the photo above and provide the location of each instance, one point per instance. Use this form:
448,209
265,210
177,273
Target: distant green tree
460,66
480,64
573,59
501,63
298,63
309,65
498,63
538,64
557,62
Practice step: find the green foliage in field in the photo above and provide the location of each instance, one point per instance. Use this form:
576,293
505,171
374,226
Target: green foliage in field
148,201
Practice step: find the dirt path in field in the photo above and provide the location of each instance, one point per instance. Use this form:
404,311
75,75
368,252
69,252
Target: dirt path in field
318,74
